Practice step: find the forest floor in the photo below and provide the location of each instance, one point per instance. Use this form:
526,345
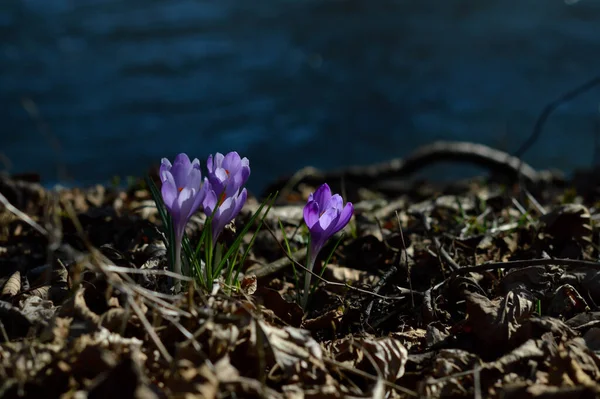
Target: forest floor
483,288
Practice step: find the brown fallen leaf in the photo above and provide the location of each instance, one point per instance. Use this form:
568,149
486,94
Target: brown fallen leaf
295,353
494,322
290,312
383,356
328,320
249,284
12,286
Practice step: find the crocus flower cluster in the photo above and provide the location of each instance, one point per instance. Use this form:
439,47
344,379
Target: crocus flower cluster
220,194
227,176
325,215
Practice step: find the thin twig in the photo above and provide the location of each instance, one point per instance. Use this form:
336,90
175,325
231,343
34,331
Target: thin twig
515,264
549,109
150,330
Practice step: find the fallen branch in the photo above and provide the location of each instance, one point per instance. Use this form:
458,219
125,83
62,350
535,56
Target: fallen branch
494,160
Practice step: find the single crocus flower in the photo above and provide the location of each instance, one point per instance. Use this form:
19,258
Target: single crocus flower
227,208
325,215
227,173
183,193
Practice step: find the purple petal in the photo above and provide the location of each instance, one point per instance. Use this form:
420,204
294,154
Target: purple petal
218,160
222,216
335,202
318,238
181,170
345,217
210,166
245,169
194,183
232,162
221,174
322,196
182,159
201,195
239,203
210,200
196,164
194,179
311,214
165,166
185,202
169,191
327,218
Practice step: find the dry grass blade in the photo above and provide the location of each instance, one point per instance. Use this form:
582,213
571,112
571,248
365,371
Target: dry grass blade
128,288
130,270
24,217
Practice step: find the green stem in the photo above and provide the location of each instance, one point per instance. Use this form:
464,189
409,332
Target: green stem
217,259
177,265
310,263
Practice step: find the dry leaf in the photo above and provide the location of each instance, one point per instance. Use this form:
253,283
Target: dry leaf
12,286
384,356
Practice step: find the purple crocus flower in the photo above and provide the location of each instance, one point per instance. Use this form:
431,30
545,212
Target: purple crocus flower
227,173
183,193
227,208
325,215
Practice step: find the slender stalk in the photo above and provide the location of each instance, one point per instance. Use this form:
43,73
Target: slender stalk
209,258
177,265
310,263
217,259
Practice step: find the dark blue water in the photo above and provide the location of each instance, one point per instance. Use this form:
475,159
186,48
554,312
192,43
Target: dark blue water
107,87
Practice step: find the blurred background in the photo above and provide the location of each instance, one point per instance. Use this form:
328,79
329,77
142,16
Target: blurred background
98,88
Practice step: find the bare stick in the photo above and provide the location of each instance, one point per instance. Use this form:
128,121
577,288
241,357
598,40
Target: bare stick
549,109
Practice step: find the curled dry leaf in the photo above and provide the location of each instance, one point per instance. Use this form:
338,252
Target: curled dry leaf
330,320
292,349
494,323
384,357
41,292
77,307
12,286
447,363
249,284
566,302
